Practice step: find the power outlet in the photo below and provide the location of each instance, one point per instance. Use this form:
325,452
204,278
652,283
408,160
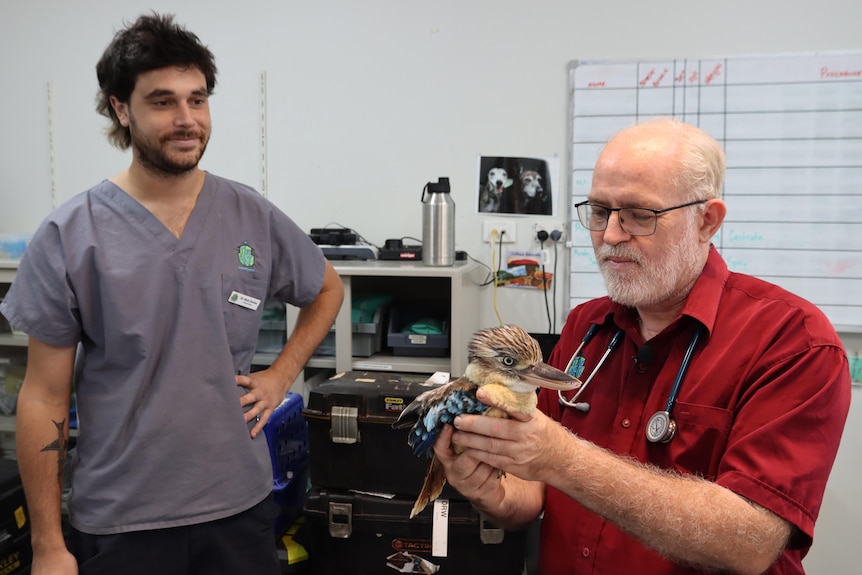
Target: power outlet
507,229
549,228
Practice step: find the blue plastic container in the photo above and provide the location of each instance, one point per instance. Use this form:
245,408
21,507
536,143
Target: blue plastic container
287,436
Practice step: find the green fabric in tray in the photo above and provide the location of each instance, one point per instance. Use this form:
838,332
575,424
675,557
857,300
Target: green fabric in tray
425,326
365,305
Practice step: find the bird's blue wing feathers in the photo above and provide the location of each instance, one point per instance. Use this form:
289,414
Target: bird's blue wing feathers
441,410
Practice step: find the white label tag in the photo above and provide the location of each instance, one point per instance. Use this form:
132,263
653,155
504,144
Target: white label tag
437,378
243,300
440,529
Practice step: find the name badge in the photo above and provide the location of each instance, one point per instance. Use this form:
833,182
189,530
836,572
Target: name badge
243,300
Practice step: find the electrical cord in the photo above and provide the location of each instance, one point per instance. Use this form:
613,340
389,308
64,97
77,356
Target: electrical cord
489,277
500,250
555,237
542,236
497,274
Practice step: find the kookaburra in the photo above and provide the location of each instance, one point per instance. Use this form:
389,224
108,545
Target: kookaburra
505,361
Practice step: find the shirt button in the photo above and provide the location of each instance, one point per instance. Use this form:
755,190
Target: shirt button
626,423
585,552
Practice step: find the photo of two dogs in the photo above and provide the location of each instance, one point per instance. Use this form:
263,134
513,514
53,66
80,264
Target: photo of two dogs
514,186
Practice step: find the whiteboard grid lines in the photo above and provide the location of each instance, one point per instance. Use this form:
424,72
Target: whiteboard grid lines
791,126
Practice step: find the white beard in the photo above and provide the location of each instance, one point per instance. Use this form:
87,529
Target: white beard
652,282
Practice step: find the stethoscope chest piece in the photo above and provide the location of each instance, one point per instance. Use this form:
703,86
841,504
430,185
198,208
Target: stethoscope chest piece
660,427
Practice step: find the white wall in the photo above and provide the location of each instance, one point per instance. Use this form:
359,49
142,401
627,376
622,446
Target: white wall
368,101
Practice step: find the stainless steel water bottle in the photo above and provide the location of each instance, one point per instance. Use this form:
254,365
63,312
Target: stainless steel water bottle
438,224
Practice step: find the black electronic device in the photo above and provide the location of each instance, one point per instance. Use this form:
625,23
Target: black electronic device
348,252
333,236
396,250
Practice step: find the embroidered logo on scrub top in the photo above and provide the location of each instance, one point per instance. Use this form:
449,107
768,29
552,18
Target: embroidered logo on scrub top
245,254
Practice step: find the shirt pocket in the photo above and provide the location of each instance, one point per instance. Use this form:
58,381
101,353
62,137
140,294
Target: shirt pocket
700,441
242,321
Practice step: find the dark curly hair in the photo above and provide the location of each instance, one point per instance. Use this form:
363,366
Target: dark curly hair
152,42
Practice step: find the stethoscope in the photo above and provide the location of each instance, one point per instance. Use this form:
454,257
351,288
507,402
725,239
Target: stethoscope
661,427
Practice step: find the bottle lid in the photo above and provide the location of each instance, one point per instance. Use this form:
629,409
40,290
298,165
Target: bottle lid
442,185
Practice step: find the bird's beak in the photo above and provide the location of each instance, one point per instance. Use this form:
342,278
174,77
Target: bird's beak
543,375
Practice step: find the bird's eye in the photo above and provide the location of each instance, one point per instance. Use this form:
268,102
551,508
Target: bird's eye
508,361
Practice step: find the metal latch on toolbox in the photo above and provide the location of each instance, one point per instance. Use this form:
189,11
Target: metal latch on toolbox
344,424
340,520
488,533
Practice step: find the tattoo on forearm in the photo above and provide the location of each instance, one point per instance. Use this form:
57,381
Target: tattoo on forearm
61,446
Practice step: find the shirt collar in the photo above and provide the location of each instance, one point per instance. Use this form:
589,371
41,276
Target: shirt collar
702,303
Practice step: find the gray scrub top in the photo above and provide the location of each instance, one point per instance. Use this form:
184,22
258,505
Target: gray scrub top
162,440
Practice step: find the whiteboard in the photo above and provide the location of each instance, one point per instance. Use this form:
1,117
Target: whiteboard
791,126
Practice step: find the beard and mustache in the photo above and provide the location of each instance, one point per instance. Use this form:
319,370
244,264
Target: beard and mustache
655,280
153,155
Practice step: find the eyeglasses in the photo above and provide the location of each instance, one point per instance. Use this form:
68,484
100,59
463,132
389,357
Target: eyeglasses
633,221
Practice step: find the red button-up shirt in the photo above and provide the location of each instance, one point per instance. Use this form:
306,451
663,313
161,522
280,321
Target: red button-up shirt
760,411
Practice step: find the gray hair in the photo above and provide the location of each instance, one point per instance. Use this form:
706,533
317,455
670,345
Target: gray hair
702,162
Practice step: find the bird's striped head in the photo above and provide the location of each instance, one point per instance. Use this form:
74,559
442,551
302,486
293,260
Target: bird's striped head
508,341
510,356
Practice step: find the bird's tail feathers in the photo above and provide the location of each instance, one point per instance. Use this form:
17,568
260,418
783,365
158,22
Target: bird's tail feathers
408,417
432,487
424,446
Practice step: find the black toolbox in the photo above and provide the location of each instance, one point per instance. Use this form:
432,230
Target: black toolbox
363,534
352,445
16,555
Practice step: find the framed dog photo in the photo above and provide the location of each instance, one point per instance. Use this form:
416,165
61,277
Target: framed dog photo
512,185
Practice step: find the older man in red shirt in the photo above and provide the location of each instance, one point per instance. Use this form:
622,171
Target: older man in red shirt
705,439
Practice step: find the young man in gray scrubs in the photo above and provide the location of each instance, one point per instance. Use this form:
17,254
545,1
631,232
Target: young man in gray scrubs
161,273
